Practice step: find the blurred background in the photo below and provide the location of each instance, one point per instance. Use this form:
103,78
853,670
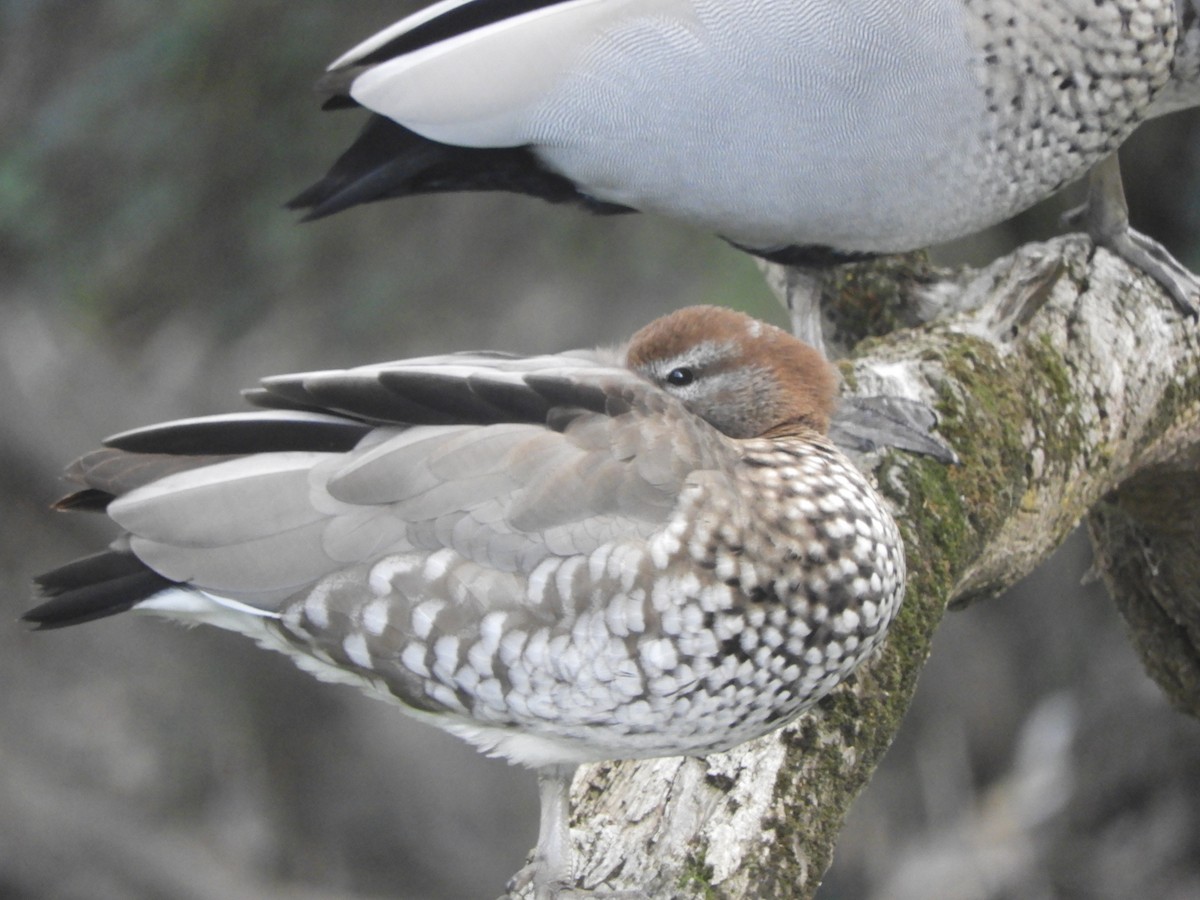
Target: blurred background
148,271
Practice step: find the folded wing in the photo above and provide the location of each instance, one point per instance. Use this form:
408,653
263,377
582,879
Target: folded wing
472,74
504,461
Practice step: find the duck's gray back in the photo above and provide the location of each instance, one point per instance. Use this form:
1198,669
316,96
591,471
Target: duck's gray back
896,123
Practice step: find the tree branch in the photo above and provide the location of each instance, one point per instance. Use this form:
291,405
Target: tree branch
1072,386
1145,533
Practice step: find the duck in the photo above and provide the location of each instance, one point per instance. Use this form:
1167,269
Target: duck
649,550
808,132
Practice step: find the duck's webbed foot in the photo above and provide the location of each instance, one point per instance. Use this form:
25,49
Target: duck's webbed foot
863,424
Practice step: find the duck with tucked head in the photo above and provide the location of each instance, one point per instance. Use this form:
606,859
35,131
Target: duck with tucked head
584,556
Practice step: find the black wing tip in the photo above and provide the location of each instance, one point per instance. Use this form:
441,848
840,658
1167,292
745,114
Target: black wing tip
329,197
219,437
55,614
310,203
388,161
94,587
337,101
84,500
378,165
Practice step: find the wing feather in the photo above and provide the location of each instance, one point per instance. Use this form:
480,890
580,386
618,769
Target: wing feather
455,388
432,24
240,500
242,433
503,495
480,88
107,473
270,567
394,470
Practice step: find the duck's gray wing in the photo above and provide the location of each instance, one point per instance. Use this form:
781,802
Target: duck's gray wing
590,453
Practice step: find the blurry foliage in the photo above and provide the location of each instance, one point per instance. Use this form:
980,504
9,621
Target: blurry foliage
150,148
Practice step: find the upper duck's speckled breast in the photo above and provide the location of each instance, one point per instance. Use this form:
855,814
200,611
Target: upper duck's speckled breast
1066,82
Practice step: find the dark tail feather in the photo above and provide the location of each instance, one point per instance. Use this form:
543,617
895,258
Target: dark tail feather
387,160
86,500
382,163
92,588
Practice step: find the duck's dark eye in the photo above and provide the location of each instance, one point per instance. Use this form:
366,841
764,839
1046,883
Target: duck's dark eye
681,376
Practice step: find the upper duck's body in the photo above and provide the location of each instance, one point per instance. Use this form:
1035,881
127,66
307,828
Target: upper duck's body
808,129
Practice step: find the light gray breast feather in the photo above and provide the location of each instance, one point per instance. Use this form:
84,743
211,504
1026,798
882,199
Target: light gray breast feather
854,98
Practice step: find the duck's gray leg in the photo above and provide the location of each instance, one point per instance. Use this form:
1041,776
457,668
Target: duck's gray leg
550,869
1106,217
799,290
553,854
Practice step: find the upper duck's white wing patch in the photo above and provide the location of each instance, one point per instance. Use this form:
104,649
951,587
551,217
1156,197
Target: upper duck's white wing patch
479,89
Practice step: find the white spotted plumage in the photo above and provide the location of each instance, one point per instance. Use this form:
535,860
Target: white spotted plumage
642,584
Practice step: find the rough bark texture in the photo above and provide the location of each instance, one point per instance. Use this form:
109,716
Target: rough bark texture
1145,534
1070,388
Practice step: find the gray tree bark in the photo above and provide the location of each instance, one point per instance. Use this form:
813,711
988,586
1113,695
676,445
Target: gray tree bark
1070,388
